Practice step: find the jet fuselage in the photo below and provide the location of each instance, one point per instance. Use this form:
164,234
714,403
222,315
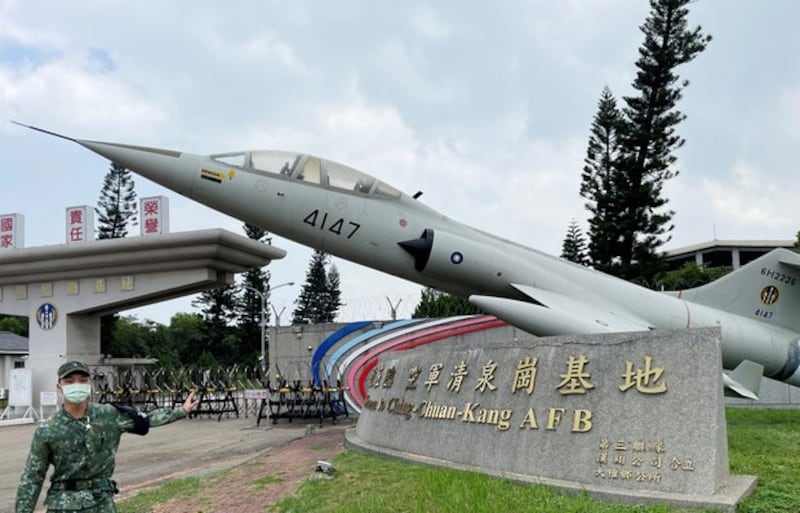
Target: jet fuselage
352,215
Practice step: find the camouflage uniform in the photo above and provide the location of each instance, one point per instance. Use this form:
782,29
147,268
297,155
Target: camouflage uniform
82,452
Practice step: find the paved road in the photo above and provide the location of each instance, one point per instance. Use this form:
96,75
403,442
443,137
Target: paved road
185,447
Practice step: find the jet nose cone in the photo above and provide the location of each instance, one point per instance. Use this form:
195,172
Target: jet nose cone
169,168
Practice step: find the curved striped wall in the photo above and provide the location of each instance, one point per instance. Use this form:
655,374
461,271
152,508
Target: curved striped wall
347,356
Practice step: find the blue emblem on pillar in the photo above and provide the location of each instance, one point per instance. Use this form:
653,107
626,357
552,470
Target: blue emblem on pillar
46,316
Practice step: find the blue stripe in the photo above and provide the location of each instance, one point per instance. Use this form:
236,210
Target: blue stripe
330,342
344,348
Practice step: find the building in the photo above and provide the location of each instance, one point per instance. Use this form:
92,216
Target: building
730,253
13,353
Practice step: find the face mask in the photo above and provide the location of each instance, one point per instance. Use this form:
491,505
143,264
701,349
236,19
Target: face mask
76,392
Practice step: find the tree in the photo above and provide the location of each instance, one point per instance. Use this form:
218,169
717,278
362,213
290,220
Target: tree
690,275
574,246
134,339
14,324
249,304
631,153
218,308
333,297
435,303
127,340
187,336
319,299
600,182
649,139
116,207
797,242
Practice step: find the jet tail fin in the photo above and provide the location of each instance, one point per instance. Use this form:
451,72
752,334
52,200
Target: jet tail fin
744,381
767,289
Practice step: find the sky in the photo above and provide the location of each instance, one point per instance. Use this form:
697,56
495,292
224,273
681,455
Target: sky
486,108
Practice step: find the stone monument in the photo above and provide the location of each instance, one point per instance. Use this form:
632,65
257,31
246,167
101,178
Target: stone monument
637,417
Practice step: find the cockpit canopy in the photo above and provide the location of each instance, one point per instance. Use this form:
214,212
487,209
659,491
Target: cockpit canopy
307,168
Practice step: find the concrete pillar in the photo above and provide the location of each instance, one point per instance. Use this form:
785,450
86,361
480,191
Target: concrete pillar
735,262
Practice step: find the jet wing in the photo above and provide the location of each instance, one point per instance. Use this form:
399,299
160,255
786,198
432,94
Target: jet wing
744,381
609,319
557,314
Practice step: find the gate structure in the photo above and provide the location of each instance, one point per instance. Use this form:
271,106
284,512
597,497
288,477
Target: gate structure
65,289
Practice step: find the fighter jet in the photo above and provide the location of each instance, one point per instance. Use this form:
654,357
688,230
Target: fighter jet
351,214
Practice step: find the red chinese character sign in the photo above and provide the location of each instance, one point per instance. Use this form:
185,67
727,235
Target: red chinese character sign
154,215
79,224
12,231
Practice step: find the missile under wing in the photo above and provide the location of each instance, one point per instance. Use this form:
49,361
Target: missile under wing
348,213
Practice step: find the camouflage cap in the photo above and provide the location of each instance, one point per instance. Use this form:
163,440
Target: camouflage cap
72,367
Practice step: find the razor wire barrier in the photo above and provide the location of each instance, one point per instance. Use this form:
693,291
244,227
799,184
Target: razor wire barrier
304,399
221,391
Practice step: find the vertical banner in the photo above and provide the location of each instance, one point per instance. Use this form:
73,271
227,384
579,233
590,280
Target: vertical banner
80,224
20,391
154,215
12,231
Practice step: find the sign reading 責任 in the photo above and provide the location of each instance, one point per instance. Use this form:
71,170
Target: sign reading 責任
634,415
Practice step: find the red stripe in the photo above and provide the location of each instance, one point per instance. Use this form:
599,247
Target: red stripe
430,335
462,331
362,387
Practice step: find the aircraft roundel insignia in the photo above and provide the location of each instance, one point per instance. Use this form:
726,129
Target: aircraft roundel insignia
770,295
456,257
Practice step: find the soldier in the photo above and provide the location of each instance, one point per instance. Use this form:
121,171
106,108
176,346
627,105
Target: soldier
81,441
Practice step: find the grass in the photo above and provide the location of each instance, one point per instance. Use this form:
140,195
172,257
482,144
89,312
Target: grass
266,481
765,443
143,502
365,484
761,442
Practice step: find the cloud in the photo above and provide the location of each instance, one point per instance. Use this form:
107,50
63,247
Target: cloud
787,113
73,92
428,25
748,198
485,109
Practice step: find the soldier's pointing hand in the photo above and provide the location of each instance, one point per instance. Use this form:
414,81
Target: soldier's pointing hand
190,403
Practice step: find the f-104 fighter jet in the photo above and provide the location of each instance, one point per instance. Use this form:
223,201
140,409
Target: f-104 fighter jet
340,210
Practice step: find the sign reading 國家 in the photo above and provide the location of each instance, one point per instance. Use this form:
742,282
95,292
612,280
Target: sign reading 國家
12,231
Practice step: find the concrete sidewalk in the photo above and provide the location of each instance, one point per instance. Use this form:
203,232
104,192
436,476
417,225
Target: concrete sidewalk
186,447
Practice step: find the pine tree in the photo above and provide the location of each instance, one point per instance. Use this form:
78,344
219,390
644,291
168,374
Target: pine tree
309,303
630,153
249,305
116,207
649,137
574,247
333,296
319,299
600,182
